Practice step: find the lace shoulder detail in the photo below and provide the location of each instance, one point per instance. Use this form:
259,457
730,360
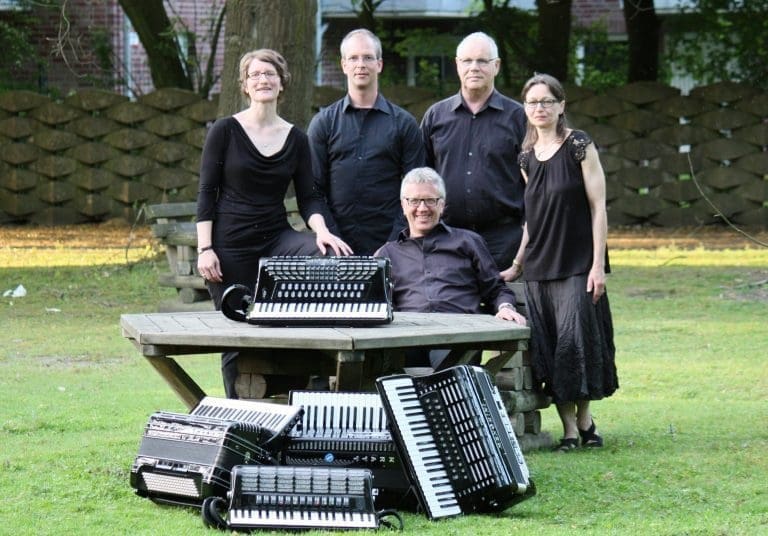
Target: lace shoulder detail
523,160
577,144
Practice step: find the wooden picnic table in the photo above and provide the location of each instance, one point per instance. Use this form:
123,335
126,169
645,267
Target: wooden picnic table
355,355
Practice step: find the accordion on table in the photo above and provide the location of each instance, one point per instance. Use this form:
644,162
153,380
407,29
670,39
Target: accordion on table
287,497
348,430
184,458
454,434
300,290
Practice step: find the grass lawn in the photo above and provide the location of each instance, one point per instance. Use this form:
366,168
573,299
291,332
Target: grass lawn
686,434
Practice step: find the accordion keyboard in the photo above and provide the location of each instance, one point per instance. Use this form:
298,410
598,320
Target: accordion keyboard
322,290
301,498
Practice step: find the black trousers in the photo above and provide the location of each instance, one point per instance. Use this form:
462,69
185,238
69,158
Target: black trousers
241,265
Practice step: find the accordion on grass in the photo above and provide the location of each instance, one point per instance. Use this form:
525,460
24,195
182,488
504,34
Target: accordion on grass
348,430
300,290
454,435
287,497
184,458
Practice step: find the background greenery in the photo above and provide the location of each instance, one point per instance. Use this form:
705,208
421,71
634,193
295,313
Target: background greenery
686,434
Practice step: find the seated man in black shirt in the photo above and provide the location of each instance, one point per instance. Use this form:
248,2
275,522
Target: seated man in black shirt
441,269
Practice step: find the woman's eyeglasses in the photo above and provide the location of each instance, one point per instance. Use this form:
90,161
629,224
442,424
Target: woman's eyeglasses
545,103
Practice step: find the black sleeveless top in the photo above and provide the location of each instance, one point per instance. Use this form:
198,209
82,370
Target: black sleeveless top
557,213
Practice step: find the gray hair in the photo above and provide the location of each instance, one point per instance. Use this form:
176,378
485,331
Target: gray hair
423,175
367,33
494,49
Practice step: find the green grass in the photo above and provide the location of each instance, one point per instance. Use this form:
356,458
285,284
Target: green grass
686,434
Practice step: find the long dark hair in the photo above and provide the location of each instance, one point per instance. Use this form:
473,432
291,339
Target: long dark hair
556,88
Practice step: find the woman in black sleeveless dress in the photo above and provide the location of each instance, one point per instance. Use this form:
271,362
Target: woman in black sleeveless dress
566,261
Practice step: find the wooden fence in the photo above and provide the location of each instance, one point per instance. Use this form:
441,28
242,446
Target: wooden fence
96,155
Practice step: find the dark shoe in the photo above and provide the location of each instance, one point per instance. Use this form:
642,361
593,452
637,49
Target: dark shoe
589,438
567,444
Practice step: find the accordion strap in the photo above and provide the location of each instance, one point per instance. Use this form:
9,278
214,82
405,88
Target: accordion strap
211,514
384,519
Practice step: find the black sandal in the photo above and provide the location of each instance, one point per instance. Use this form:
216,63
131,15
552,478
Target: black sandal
589,438
567,444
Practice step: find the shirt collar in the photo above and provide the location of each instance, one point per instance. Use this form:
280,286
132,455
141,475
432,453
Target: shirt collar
441,227
494,101
379,104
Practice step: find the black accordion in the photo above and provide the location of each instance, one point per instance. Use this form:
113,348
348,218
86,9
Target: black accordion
348,430
352,291
454,434
184,458
286,497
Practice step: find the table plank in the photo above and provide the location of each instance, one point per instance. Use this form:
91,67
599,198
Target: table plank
162,335
212,329
436,329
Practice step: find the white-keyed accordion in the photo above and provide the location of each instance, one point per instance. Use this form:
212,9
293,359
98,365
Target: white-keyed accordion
301,290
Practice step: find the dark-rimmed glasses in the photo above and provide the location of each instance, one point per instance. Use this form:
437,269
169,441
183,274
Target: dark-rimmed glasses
430,202
545,103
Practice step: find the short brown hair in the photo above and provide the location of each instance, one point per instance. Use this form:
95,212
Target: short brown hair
267,55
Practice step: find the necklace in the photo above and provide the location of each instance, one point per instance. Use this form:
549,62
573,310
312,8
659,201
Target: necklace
543,150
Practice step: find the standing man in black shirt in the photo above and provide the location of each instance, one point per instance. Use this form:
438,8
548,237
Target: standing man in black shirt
361,146
472,139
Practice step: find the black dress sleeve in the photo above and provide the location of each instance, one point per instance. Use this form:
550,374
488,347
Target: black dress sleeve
578,142
212,169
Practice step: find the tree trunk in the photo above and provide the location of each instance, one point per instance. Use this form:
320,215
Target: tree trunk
643,36
499,32
287,26
554,38
150,20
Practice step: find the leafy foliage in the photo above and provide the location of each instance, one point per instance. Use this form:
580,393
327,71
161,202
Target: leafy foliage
433,50
18,54
515,32
604,63
719,40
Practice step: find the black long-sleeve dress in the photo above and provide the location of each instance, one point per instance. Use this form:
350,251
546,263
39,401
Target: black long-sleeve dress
242,192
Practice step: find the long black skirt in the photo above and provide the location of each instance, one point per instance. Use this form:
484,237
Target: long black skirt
572,351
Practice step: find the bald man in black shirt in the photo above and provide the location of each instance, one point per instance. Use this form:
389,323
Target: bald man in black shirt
472,139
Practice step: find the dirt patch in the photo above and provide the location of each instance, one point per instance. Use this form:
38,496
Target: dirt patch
708,237
752,287
113,234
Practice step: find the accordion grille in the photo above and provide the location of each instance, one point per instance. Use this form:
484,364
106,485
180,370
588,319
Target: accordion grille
177,485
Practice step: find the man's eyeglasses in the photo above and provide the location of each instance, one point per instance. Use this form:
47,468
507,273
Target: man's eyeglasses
430,202
363,59
481,62
545,103
269,75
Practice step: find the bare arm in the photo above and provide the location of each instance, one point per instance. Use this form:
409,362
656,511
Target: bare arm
594,183
516,270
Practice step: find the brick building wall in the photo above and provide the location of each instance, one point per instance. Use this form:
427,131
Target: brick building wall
585,13
67,38
66,42
70,62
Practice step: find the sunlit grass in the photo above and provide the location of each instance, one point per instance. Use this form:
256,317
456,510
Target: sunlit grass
673,256
686,434
17,257
61,255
